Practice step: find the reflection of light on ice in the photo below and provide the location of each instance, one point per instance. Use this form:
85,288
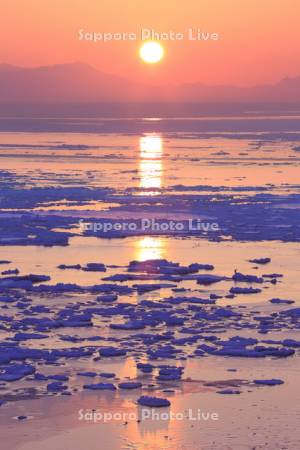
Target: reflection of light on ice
150,146
151,170
150,161
149,248
150,174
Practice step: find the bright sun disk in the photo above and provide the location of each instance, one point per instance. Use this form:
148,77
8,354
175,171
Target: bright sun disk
151,52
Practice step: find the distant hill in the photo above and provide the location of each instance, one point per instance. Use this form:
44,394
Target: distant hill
79,82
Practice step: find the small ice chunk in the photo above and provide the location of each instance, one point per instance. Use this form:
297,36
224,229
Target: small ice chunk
112,351
100,386
130,385
153,402
270,382
260,260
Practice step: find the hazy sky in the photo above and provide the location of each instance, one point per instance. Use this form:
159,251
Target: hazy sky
259,39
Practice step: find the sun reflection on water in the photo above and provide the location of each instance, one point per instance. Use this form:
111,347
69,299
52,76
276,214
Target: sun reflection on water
151,166
149,247
151,176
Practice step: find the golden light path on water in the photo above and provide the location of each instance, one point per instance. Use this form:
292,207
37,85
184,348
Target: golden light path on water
151,176
150,165
149,247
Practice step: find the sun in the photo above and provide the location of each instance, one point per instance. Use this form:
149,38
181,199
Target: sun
151,52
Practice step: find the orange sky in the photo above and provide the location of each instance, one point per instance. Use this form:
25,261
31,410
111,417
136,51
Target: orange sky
259,39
